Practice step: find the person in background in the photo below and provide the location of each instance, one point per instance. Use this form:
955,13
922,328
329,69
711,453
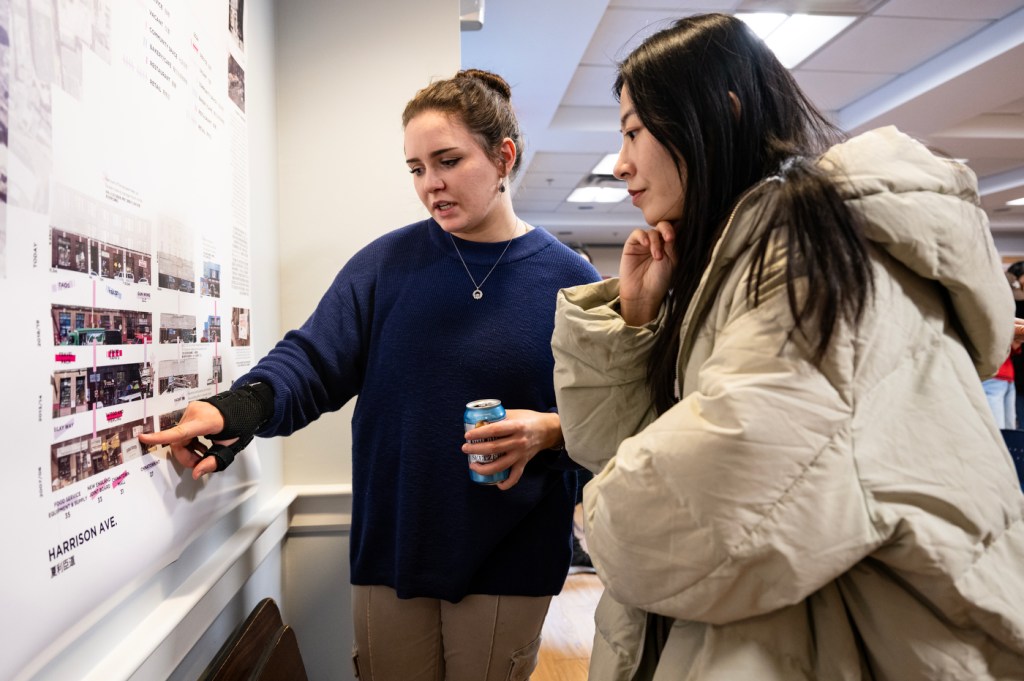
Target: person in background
1000,390
451,579
797,474
1015,272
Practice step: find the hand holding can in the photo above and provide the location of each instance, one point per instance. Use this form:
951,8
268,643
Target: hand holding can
480,413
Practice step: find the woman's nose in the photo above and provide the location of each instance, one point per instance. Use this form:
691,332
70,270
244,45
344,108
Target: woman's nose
622,168
434,182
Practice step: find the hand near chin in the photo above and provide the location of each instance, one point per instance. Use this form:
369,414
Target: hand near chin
645,272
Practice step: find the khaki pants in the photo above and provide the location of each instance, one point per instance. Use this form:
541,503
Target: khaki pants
480,638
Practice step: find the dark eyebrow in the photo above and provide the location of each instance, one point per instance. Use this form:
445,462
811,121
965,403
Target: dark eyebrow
622,121
433,154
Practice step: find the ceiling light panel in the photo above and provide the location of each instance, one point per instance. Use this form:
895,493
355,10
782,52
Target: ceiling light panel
597,195
795,38
606,166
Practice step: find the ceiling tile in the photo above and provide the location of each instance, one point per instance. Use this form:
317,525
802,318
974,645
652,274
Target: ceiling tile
984,167
1014,107
543,193
812,6
1008,127
588,118
539,179
584,208
832,90
535,208
556,162
591,86
621,30
890,45
950,9
975,150
692,6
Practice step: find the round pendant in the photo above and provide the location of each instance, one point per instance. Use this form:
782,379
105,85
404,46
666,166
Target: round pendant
478,294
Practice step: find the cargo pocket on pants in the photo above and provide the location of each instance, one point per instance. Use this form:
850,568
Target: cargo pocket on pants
355,662
524,661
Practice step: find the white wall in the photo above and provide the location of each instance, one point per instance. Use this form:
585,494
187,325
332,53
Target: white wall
345,71
344,74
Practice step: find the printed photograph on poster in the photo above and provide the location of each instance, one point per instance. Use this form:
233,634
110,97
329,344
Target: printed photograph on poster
177,374
236,83
48,58
216,370
82,457
177,328
211,330
176,272
5,85
170,419
239,327
78,325
236,18
88,388
99,237
85,255
175,255
209,283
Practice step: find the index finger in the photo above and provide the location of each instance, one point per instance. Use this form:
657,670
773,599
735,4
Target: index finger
184,431
667,231
491,431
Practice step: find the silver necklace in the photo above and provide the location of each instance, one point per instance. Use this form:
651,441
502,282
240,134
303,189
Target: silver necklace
477,292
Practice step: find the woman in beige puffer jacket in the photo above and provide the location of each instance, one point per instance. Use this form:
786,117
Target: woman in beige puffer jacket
798,476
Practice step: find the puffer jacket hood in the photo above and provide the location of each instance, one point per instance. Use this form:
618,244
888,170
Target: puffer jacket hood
924,212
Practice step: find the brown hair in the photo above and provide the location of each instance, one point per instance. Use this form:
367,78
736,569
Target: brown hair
482,101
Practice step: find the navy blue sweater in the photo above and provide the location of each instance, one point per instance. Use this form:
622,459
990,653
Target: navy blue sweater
399,328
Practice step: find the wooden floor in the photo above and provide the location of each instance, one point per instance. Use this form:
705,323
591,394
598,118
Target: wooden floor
568,632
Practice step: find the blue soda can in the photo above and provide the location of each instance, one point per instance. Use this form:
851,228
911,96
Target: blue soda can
479,413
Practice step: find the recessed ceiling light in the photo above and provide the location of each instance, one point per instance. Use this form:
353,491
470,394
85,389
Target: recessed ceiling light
796,36
597,195
1016,202
763,23
606,166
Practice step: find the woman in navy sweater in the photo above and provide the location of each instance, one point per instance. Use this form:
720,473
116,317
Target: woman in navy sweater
451,579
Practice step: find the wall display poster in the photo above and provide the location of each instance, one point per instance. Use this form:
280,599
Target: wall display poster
124,276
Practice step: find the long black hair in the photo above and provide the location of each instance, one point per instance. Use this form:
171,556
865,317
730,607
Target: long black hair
681,81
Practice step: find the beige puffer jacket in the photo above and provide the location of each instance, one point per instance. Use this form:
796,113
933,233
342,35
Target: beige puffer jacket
859,519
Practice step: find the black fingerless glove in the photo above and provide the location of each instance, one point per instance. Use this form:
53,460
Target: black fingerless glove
245,411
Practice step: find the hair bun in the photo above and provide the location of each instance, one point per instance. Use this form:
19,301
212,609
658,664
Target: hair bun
491,80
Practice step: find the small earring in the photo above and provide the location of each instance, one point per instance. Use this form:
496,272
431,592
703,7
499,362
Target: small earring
501,188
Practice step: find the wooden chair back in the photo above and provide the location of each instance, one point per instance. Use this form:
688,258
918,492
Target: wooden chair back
262,648
281,660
